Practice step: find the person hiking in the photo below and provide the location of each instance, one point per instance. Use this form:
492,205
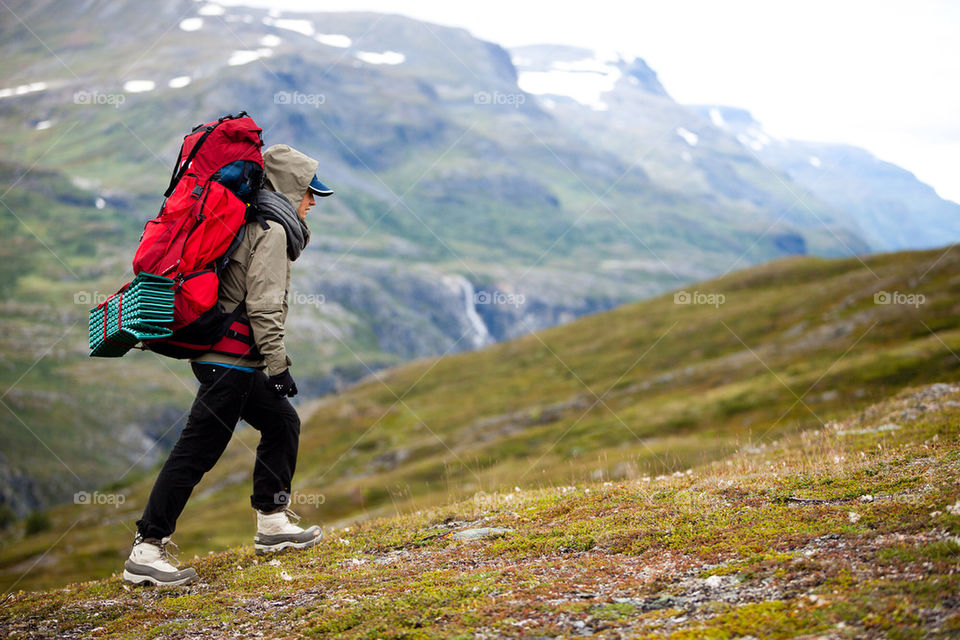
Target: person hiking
255,388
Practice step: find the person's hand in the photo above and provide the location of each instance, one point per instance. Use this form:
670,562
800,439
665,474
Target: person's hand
282,384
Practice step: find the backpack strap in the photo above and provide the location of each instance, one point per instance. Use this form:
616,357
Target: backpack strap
221,264
174,178
180,169
238,339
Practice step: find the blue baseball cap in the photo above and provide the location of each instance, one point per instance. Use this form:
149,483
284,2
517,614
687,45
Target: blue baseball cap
319,188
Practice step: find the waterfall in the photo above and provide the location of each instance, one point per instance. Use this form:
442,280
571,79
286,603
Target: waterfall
481,335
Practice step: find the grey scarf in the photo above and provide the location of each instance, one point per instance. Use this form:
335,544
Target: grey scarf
273,206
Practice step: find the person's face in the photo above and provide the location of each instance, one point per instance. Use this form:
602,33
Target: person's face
306,202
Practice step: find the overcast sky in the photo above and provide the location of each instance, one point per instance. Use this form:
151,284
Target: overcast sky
884,75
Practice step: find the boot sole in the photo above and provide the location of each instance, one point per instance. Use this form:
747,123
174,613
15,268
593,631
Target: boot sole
138,579
264,549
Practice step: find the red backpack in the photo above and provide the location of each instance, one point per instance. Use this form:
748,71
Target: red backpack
218,171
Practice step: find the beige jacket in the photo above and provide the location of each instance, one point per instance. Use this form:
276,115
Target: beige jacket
259,273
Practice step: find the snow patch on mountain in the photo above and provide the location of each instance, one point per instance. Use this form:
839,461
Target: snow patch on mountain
211,9
584,80
334,40
717,118
304,27
589,65
246,56
89,184
191,24
270,40
690,137
139,86
754,138
387,57
23,89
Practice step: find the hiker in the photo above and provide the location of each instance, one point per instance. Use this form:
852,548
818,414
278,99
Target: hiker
254,388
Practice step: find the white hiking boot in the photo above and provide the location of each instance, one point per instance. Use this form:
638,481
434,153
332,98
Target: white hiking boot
151,562
277,531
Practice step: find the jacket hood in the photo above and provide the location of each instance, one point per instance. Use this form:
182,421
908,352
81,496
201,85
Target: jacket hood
289,172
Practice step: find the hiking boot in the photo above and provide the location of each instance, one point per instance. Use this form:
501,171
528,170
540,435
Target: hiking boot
278,530
151,562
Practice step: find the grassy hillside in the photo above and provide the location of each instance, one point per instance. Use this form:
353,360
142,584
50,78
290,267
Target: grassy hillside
844,531
648,389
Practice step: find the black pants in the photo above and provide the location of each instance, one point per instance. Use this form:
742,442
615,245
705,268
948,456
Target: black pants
225,396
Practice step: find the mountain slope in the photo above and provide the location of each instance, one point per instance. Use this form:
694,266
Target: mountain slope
461,218
507,196
891,208
845,531
635,118
647,389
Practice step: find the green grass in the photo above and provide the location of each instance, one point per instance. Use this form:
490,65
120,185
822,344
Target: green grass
632,558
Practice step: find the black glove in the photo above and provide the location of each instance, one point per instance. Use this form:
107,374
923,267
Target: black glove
282,384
